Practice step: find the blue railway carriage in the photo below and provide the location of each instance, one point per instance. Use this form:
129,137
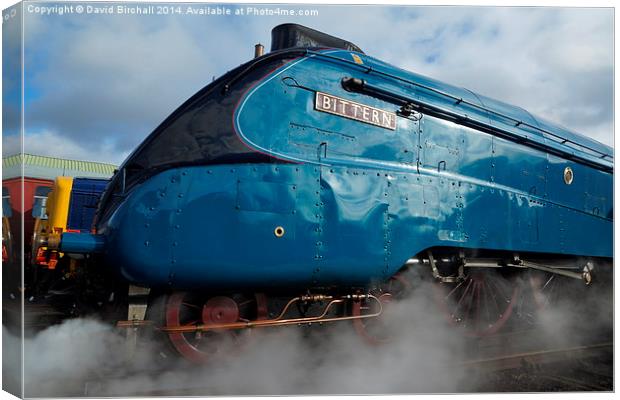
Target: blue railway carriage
317,175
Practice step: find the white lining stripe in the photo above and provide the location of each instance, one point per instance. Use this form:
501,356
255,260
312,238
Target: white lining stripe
247,97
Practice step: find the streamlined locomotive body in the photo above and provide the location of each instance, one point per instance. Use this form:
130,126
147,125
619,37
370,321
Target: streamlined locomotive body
264,178
324,170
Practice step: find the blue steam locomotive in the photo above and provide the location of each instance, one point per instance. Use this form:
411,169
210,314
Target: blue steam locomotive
317,175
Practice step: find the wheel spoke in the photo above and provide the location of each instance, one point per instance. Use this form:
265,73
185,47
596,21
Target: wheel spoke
548,282
544,289
469,302
492,294
478,320
184,309
191,305
481,304
487,298
463,296
499,290
456,288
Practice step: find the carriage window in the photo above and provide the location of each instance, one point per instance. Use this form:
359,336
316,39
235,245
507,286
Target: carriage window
6,203
40,200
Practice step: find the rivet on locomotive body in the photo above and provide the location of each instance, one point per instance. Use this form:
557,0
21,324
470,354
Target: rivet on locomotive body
568,175
279,231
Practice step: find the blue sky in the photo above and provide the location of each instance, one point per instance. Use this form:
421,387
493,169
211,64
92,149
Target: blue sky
97,85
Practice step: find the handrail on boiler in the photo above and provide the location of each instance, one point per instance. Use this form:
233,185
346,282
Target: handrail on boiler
602,160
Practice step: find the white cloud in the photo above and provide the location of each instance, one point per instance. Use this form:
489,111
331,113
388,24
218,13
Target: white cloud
110,80
556,63
113,79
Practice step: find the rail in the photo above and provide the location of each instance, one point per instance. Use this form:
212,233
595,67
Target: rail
518,360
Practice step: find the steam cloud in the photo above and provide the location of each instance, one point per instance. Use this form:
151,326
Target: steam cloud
86,357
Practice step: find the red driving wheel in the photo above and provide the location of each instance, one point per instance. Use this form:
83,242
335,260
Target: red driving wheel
481,304
187,309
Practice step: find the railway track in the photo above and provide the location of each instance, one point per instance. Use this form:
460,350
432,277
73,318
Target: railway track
530,360
533,360
572,368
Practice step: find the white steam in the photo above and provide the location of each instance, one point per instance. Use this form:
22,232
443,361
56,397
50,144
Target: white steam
88,358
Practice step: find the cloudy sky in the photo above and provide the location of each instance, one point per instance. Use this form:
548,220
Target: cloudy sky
97,85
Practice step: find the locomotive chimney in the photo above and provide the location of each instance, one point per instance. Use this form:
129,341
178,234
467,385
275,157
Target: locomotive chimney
259,50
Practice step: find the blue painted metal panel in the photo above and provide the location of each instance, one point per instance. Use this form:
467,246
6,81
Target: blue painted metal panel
184,227
355,200
415,84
